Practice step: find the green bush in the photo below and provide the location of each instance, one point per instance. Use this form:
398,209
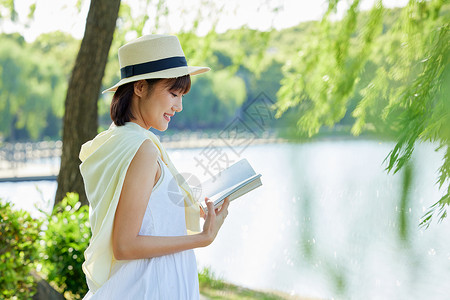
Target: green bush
19,234
65,239
207,278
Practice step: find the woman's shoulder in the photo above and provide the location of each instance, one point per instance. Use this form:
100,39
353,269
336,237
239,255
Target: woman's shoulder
144,163
149,150
146,156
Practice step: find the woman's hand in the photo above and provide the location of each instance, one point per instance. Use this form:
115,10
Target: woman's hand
214,219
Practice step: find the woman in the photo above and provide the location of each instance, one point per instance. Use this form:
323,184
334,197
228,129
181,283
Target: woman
140,247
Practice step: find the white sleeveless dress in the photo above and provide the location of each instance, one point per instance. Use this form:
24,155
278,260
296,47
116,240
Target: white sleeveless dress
172,276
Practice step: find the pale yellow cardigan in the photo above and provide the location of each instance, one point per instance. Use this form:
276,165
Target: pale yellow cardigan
105,161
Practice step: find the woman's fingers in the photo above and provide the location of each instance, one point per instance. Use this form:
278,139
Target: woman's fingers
222,210
224,207
209,204
226,203
214,218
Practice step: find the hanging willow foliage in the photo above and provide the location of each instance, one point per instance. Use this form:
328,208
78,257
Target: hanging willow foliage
404,96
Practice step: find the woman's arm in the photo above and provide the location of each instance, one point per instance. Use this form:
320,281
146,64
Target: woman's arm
136,191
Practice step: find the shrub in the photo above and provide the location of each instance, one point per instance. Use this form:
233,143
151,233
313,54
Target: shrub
207,278
67,236
19,234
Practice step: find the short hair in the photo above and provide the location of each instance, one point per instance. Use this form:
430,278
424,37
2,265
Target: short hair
121,102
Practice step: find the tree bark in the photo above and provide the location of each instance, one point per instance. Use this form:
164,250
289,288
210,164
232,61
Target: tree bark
44,291
80,117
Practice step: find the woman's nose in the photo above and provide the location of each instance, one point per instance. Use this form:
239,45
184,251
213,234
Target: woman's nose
178,106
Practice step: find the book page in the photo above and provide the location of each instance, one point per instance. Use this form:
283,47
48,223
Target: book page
226,179
235,181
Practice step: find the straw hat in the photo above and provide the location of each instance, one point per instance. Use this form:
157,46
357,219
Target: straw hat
153,56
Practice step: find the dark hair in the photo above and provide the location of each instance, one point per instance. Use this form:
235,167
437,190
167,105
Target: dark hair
121,102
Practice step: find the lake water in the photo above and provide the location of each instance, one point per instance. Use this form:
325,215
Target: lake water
328,222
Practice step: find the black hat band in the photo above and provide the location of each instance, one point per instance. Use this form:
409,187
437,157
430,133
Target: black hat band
153,66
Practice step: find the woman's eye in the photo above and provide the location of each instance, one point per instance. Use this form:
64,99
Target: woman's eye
173,94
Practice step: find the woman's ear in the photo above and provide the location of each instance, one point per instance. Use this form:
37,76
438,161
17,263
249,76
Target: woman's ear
140,88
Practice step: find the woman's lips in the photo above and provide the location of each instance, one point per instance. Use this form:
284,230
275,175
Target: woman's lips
167,117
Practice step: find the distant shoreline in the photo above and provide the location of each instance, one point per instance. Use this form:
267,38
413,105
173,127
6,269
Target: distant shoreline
218,142
26,165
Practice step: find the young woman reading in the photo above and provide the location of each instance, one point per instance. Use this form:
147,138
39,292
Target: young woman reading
142,235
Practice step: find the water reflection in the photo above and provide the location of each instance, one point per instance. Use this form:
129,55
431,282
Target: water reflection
404,210
306,226
358,234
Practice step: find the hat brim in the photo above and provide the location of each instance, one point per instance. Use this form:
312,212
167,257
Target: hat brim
169,73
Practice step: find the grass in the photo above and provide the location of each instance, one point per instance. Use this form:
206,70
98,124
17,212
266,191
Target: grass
212,287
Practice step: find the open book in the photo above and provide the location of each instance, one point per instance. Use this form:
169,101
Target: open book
235,181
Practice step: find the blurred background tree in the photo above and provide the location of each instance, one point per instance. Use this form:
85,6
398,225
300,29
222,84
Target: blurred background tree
80,116
386,71
235,56
31,87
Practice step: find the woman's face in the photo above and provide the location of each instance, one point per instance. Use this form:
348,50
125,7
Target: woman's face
158,106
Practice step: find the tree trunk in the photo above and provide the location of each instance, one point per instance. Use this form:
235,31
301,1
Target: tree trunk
80,117
44,291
